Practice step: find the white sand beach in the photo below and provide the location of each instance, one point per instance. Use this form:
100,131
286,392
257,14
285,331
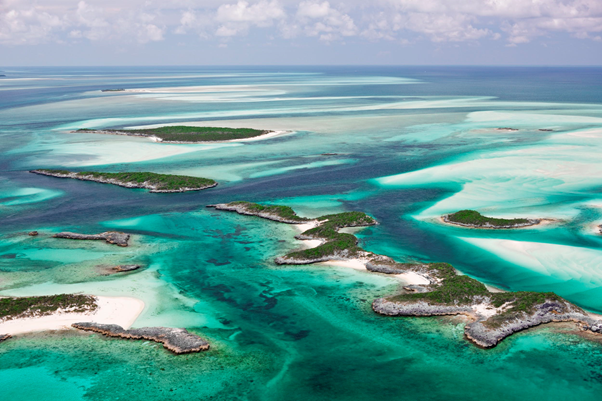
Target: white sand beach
122,311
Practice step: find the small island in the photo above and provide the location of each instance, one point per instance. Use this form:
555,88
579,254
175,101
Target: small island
185,134
474,219
125,268
440,291
156,183
111,237
113,90
282,214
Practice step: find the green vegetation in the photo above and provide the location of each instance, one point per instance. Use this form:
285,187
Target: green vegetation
454,289
474,218
160,182
283,211
328,230
180,133
13,308
341,243
336,242
462,290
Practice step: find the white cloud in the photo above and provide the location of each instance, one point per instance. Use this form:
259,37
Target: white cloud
25,22
33,24
239,17
320,19
522,20
261,14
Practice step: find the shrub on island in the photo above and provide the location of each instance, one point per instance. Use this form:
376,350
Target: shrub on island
153,181
14,308
180,133
472,218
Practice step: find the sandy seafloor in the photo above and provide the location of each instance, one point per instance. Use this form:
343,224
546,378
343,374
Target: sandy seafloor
411,144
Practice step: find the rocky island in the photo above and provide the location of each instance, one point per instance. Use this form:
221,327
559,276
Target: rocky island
178,341
495,315
126,268
184,134
111,237
156,183
474,219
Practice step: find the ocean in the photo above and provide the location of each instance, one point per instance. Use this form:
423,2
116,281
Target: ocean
409,144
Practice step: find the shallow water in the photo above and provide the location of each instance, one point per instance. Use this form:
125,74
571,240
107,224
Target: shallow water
411,144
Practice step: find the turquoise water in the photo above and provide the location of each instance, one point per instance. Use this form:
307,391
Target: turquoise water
411,144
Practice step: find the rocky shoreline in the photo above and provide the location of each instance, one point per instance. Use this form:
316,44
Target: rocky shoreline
144,185
487,331
531,222
111,237
4,337
178,341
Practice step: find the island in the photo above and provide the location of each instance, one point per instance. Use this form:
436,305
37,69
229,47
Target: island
185,134
27,307
12,309
155,183
282,214
495,315
440,290
64,311
111,237
178,341
334,245
474,219
113,90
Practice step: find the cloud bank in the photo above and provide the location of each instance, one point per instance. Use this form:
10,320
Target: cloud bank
31,22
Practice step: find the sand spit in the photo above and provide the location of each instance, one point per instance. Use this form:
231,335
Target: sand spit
111,310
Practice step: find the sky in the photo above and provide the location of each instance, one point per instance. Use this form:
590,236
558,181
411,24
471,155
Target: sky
312,32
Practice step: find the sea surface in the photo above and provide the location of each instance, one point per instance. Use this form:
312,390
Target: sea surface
411,144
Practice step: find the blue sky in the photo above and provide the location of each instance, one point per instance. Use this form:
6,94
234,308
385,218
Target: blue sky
207,32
